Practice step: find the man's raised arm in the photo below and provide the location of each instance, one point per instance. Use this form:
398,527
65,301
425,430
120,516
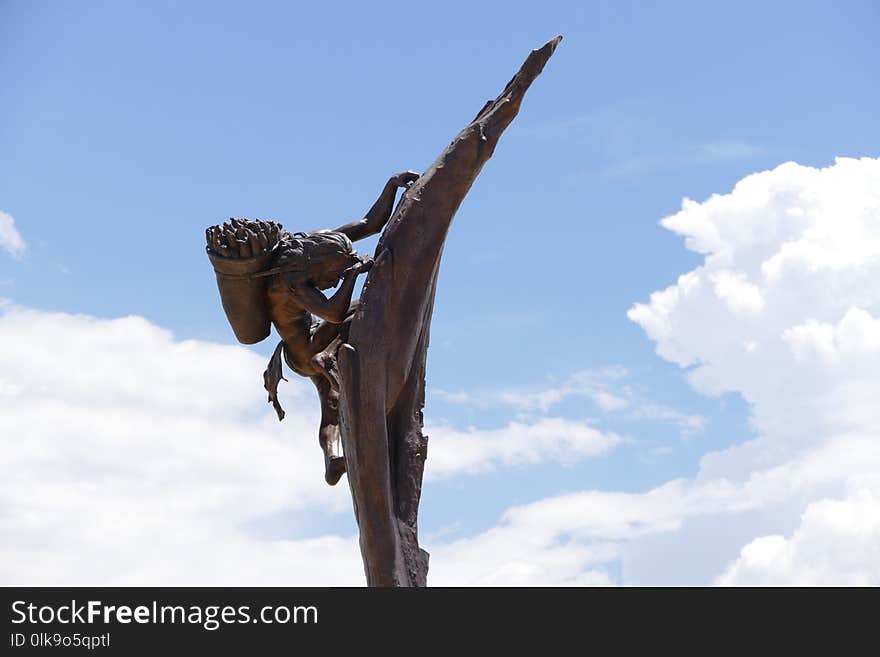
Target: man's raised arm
380,213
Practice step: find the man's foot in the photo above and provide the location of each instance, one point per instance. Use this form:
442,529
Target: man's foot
334,469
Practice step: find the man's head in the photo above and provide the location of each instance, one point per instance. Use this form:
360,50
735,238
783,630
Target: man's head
328,254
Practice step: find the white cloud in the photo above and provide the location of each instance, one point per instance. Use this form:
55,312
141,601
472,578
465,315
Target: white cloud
452,396
688,424
836,544
10,239
784,310
739,295
801,299
452,452
569,539
560,539
590,384
854,337
606,388
132,457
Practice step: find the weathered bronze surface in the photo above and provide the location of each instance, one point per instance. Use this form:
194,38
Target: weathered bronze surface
366,358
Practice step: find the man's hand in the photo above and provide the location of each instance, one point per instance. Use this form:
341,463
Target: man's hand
404,178
365,264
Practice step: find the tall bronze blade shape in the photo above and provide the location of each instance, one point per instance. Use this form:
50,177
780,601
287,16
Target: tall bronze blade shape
382,367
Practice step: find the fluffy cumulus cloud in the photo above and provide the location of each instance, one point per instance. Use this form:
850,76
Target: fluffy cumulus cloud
11,240
836,544
785,310
132,457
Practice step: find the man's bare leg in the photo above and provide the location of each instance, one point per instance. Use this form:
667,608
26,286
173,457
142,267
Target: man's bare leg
325,341
328,434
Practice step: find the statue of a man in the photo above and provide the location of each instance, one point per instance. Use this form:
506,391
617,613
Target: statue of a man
302,265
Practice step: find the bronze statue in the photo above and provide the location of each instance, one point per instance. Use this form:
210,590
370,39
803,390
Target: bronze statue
301,266
366,358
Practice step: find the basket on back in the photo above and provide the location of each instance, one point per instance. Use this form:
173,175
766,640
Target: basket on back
238,250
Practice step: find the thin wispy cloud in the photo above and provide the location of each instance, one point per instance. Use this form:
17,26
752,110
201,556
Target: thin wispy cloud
564,127
11,240
625,143
606,388
688,424
723,150
591,384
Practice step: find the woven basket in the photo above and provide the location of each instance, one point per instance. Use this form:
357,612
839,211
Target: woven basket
244,297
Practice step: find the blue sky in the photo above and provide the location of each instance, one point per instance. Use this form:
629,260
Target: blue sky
129,127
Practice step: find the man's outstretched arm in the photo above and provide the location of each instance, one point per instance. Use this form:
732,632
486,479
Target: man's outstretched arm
380,213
